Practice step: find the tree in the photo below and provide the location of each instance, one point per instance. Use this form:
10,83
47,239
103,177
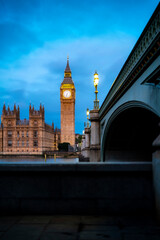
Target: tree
79,139
63,146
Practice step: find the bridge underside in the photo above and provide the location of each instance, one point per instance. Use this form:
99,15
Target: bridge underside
130,136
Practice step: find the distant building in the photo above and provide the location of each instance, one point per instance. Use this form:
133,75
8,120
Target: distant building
1,143
31,136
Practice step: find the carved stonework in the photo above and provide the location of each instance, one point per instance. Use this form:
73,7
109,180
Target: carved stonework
31,136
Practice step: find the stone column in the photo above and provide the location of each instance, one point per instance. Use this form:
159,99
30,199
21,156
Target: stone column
95,136
87,143
156,173
83,145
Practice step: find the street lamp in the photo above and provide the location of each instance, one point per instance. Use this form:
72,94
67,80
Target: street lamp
87,117
96,81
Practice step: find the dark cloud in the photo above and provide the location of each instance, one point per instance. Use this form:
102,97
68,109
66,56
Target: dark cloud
55,66
16,41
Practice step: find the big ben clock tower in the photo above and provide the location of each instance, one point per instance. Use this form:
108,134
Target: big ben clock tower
67,97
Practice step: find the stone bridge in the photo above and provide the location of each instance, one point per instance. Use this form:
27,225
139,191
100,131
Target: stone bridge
129,116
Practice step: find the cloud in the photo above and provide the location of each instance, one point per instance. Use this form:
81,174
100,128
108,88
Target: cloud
37,36
36,77
15,41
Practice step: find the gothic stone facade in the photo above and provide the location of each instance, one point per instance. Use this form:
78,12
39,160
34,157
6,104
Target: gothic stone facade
31,136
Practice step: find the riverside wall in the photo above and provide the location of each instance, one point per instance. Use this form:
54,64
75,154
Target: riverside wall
83,188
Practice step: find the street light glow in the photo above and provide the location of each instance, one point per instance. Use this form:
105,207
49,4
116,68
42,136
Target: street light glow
87,112
96,79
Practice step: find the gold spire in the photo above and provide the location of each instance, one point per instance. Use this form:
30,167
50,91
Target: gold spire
67,72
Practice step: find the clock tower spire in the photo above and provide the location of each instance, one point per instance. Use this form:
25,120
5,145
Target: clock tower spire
67,97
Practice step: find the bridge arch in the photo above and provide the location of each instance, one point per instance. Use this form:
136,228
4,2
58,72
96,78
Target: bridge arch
129,132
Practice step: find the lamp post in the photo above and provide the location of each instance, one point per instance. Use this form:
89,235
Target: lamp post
87,117
96,81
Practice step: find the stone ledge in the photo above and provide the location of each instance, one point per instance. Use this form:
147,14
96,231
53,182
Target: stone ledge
84,188
78,167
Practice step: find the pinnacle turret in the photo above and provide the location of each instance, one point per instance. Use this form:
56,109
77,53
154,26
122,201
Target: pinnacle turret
67,74
67,70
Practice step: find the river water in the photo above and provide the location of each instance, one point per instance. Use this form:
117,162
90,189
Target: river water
38,160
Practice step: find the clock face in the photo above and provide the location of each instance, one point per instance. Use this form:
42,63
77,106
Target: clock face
67,94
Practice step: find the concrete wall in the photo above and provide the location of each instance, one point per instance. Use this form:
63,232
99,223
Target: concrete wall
94,188
156,180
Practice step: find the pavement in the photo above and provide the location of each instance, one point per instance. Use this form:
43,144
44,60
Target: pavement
70,227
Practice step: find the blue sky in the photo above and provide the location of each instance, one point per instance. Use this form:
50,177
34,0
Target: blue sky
37,35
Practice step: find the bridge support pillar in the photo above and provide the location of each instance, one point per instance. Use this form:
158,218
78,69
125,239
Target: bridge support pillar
156,173
87,143
83,145
95,136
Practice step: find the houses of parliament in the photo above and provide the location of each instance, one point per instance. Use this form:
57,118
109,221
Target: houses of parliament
34,136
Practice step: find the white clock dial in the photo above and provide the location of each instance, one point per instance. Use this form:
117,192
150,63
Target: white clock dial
67,94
